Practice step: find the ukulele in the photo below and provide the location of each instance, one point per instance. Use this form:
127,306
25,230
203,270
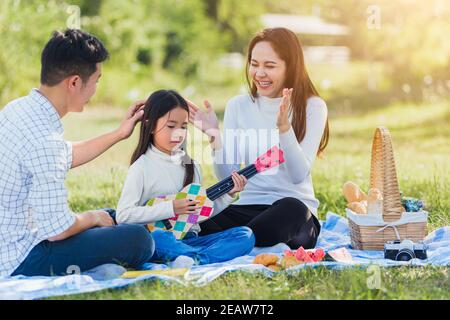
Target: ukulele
180,224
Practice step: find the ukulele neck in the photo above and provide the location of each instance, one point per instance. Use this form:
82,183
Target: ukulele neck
224,186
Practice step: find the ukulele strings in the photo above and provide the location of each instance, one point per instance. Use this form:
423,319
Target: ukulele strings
214,192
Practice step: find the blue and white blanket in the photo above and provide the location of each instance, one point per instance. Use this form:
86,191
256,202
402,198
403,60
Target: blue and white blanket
334,234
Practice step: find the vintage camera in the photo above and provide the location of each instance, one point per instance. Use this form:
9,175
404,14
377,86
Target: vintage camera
405,250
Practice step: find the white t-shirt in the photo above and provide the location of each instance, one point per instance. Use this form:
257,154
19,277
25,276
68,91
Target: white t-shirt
250,130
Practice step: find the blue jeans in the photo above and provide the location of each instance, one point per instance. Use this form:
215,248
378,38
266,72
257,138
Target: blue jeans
127,245
215,247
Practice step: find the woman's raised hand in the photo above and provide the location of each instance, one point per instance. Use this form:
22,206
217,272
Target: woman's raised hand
206,121
283,122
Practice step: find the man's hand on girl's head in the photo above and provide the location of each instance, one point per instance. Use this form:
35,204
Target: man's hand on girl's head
134,114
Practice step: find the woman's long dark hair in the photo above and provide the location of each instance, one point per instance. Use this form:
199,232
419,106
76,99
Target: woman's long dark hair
288,47
157,105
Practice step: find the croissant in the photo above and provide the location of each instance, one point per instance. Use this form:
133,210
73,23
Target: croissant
266,259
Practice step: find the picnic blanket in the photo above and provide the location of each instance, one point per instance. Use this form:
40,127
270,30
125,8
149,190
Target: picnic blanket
334,234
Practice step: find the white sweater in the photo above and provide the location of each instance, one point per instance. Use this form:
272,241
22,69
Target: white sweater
257,132
153,174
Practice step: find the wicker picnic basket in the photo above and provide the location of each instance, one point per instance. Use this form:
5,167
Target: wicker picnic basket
383,176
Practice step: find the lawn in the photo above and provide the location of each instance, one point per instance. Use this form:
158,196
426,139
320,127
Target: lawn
420,135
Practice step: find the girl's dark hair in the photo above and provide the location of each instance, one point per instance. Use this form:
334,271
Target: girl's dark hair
157,105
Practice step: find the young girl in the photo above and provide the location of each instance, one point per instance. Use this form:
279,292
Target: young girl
282,103
160,166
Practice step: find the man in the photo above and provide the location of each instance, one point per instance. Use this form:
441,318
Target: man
39,235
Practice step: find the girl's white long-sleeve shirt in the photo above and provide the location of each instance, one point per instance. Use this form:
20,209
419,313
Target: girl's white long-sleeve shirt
250,130
154,174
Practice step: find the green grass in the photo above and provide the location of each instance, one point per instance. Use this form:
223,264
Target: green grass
395,283
420,135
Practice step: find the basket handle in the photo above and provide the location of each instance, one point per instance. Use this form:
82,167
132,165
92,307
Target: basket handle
383,174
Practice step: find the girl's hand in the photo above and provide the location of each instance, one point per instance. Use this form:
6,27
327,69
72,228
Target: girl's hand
283,123
185,206
206,121
239,183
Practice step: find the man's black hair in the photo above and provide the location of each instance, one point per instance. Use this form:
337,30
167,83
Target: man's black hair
68,53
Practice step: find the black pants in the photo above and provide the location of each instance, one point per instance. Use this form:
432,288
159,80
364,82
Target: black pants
287,220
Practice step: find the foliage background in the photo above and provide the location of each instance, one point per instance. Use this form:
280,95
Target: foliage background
178,44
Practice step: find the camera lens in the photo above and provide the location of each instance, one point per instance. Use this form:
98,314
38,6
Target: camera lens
405,255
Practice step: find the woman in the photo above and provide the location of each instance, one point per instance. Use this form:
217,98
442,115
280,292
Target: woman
278,206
